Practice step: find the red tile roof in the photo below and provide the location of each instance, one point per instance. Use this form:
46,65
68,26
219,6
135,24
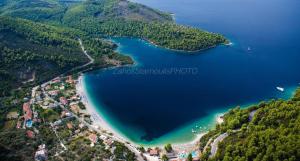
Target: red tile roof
27,111
93,138
18,124
55,80
30,134
69,125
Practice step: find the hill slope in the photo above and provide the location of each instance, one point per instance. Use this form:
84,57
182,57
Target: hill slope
34,51
114,18
270,132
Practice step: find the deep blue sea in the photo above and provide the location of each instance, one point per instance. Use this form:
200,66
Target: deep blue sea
166,94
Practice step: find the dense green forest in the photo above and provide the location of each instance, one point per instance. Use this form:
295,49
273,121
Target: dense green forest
28,48
271,134
114,18
33,50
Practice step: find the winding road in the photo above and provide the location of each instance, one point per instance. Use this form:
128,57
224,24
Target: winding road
85,53
214,145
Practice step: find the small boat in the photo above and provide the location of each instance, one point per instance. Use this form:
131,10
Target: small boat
249,49
280,89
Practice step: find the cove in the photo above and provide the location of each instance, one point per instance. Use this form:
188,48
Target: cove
168,93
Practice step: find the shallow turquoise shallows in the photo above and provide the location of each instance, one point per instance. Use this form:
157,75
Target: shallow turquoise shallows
169,97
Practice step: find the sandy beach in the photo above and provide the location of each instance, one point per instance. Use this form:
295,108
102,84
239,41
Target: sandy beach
189,146
100,123
220,118
97,121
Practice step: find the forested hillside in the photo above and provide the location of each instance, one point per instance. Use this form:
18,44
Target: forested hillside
271,132
37,52
114,18
36,10
30,49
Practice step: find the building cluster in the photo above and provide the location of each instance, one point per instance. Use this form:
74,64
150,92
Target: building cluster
175,154
56,103
59,101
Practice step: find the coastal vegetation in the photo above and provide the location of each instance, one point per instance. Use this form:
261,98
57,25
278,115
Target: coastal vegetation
37,52
267,131
164,157
168,148
115,18
189,157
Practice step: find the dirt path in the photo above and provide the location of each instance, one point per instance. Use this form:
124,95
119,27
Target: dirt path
85,53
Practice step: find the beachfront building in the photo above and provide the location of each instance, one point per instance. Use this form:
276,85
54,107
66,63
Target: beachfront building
153,152
171,155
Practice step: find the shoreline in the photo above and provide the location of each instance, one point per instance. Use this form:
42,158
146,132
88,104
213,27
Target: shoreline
97,120
191,52
99,123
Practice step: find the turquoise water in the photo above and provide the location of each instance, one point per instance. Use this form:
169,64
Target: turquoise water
168,94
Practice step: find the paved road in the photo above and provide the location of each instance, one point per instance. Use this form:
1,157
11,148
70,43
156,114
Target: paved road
251,115
214,145
207,145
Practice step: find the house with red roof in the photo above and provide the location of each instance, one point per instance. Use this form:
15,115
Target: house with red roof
30,134
93,138
27,111
56,80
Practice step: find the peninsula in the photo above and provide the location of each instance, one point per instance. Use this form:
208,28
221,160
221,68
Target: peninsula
105,18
